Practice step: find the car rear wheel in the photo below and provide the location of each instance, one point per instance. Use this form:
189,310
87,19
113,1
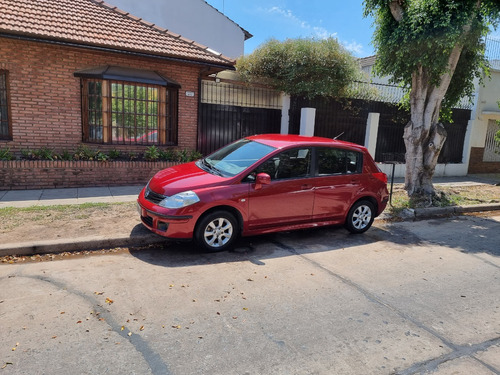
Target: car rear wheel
217,231
360,217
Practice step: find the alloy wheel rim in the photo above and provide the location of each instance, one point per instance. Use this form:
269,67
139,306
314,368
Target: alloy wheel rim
218,232
361,217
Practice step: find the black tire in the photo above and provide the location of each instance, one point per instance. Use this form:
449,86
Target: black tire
360,217
216,231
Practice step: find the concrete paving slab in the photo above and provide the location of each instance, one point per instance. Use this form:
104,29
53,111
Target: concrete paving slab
119,191
2,194
462,366
92,192
22,195
461,302
491,356
53,194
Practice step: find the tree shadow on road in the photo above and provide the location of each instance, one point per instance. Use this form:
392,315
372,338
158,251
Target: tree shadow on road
468,234
258,249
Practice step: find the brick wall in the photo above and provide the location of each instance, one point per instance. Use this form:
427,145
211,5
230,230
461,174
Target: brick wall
477,165
45,96
27,174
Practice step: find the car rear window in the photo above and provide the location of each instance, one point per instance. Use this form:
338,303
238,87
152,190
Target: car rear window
333,161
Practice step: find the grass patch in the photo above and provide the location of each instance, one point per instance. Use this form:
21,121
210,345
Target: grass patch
447,196
13,217
8,211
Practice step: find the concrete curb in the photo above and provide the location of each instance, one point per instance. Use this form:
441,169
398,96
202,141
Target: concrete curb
79,244
144,239
430,212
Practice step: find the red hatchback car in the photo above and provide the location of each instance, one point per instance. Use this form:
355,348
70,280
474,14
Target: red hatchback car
262,184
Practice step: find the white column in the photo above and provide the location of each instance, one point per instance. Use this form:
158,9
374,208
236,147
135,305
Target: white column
285,110
307,119
372,132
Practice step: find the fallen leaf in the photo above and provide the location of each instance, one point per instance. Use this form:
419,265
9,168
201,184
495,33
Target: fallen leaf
171,285
6,364
176,327
142,328
62,312
54,337
245,308
99,293
78,322
123,327
249,279
109,301
130,333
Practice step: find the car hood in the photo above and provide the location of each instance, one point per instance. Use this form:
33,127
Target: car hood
181,178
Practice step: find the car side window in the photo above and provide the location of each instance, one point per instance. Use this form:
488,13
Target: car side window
333,161
354,162
295,163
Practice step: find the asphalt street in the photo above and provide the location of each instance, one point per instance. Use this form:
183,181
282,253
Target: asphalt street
404,298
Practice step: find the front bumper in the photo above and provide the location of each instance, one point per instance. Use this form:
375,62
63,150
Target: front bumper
170,226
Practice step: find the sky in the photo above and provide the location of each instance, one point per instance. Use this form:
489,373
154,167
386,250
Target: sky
282,19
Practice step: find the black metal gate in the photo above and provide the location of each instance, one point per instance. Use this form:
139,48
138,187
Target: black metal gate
229,111
348,117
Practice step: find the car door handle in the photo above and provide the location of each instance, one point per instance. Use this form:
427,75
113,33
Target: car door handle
324,187
306,187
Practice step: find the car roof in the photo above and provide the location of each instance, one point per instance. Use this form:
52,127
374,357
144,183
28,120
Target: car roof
285,140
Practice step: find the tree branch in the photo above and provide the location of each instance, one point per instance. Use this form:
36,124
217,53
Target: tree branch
397,9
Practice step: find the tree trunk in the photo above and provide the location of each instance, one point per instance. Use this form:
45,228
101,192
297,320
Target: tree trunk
422,152
424,136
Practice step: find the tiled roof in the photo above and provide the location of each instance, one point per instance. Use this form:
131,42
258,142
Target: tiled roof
365,61
95,23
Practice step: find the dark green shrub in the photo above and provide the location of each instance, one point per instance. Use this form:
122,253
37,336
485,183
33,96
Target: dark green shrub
5,154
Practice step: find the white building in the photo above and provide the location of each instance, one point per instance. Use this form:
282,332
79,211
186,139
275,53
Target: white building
193,19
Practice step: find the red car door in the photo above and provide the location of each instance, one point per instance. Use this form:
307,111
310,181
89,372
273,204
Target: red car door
337,183
289,198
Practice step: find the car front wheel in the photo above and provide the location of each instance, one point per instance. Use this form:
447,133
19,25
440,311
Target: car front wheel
217,231
360,217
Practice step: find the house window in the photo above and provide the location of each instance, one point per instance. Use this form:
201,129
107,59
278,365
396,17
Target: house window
5,129
121,112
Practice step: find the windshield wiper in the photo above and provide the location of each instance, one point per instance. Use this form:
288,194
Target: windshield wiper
211,168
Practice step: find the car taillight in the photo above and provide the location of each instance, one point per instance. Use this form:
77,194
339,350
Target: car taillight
380,176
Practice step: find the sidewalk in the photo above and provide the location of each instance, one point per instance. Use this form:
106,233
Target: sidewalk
50,197
134,234
114,194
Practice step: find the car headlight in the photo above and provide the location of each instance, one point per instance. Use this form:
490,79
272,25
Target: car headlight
179,200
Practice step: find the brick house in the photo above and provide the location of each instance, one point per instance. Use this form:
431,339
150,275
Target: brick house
78,72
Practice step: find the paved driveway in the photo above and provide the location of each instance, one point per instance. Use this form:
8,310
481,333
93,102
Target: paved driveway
406,298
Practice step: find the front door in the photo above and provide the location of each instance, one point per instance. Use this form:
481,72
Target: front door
289,199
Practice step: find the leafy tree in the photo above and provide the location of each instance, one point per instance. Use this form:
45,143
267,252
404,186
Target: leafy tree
435,48
305,67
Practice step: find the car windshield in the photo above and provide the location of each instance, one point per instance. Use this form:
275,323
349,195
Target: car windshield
234,158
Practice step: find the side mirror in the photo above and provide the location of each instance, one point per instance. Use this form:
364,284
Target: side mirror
262,179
